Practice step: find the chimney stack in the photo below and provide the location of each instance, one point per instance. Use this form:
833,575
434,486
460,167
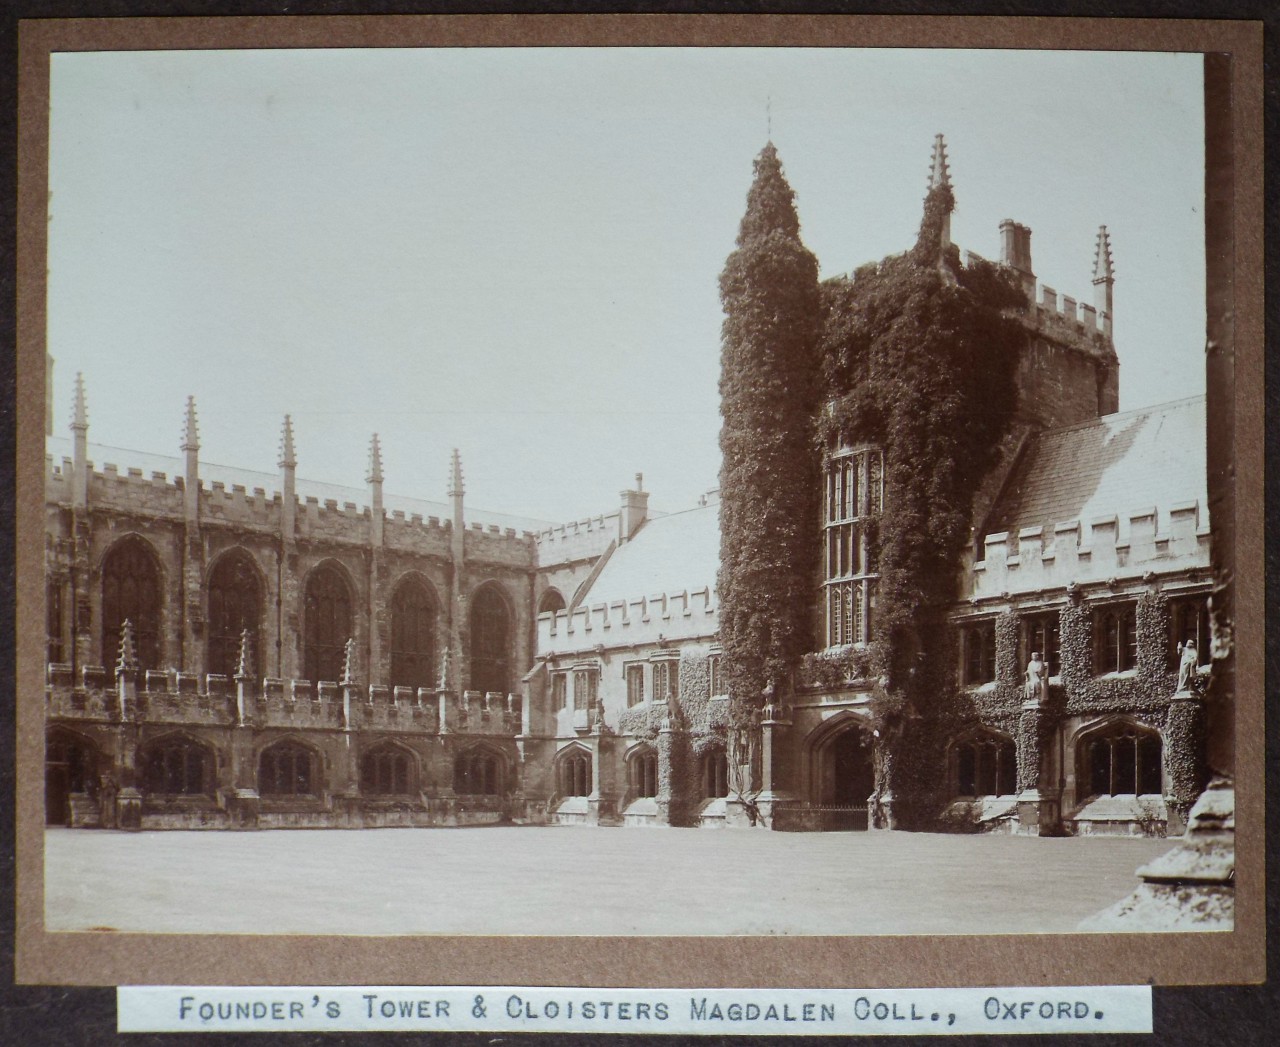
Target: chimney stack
635,510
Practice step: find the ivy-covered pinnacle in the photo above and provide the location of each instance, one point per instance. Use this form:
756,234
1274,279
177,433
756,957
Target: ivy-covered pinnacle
769,479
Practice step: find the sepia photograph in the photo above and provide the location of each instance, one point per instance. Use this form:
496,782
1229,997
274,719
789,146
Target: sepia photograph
683,492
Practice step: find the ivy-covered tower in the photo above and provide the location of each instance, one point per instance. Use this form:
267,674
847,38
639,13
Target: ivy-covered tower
769,478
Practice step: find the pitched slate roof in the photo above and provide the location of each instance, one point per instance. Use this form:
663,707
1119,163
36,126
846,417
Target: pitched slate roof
670,554
1114,465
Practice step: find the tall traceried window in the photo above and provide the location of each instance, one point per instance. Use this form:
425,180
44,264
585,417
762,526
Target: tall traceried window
715,679
978,645
386,770
477,772
1189,622
715,774
585,688
1115,638
131,591
328,624
413,634
854,497
235,605
986,765
559,690
54,647
490,641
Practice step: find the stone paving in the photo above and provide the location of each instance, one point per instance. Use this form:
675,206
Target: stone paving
578,880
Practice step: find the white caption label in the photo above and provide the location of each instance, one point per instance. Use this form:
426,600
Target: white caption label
490,1009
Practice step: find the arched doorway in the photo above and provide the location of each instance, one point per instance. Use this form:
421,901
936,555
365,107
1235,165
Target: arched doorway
70,766
843,767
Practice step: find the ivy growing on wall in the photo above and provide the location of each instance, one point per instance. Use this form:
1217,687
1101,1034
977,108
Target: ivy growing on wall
769,478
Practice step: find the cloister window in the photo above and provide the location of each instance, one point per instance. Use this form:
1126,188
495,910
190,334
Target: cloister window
287,769
575,774
715,682
235,605
666,680
131,590
477,772
635,684
490,641
1040,635
1121,760
1189,620
71,766
854,497
177,767
715,774
386,771
986,765
413,634
1115,638
644,774
559,690
328,624
978,644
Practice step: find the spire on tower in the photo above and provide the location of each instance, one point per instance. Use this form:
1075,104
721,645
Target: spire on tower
939,170
375,462
287,458
1102,267
455,475
191,435
79,411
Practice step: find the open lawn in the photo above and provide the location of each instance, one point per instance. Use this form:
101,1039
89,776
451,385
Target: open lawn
579,880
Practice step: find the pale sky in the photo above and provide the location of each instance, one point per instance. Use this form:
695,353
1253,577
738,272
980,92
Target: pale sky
515,252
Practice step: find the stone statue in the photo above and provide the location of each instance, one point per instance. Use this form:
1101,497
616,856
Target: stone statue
1037,675
107,792
1187,667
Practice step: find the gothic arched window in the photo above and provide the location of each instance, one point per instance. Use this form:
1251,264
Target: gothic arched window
575,774
235,605
386,771
1122,759
413,632
131,590
477,772
328,624
644,773
986,765
715,774
490,641
177,766
287,769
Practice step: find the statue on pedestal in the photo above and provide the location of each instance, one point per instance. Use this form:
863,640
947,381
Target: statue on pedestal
1037,679
1188,665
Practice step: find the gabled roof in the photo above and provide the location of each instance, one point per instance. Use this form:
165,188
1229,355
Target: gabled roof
1114,465
670,554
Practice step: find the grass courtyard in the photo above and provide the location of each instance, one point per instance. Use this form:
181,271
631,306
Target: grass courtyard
579,880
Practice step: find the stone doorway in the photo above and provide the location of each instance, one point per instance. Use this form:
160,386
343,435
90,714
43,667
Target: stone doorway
844,778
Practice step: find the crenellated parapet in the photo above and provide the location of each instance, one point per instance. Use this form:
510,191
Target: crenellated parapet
577,540
672,616
1092,551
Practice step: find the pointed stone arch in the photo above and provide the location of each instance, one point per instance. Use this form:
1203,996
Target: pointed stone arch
491,619
573,770
177,763
328,620
289,767
415,615
480,770
72,762
642,765
982,761
389,768
1117,755
235,589
841,760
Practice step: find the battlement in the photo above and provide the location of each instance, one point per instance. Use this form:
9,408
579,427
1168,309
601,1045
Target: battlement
577,540
1056,315
1095,550
677,615
168,696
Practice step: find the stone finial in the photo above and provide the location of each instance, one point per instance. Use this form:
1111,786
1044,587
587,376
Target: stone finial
939,170
128,660
1103,271
455,475
287,458
349,663
79,410
244,663
191,435
445,670
375,462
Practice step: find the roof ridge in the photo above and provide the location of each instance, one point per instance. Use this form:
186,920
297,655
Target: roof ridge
1132,412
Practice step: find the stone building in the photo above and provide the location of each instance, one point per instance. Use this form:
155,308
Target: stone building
229,649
